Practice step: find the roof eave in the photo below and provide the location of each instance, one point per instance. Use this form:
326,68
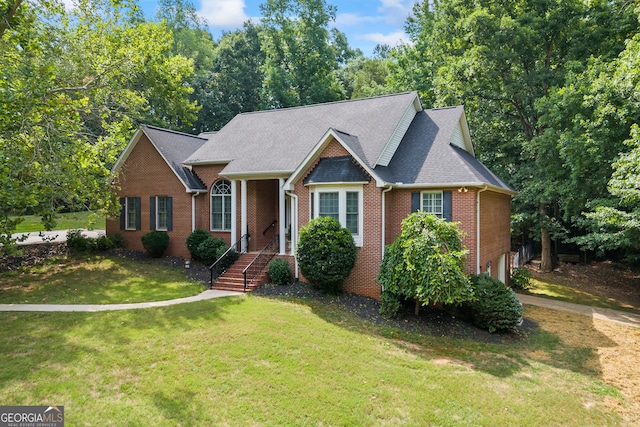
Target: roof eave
461,185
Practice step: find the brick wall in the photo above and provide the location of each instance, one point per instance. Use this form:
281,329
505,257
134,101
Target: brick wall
495,230
146,174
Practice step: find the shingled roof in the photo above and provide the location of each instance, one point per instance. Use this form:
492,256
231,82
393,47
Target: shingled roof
277,141
428,155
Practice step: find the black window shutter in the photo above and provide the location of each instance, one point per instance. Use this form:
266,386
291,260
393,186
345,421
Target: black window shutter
122,214
415,201
447,210
138,206
152,213
169,213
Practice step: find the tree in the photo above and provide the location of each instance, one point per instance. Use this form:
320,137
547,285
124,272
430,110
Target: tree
502,60
364,77
234,82
301,60
74,85
326,253
426,262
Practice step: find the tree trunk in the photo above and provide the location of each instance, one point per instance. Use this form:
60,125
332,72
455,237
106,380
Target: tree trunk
546,263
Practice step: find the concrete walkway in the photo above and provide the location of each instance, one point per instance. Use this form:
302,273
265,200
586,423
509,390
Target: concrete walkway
208,294
36,237
621,317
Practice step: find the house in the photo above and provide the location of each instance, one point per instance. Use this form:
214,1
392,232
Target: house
369,163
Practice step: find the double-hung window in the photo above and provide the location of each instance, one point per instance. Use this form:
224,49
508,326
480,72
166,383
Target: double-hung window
432,203
130,213
342,203
221,206
161,215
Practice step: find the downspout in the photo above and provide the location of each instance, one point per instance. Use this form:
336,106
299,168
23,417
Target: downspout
193,209
294,231
384,218
478,266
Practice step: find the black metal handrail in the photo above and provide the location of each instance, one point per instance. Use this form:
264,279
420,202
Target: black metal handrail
273,224
237,246
260,261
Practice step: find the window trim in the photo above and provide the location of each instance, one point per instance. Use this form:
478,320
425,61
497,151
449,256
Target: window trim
127,218
422,207
342,190
166,206
226,228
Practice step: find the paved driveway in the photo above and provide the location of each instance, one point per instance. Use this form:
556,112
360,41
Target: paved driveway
35,237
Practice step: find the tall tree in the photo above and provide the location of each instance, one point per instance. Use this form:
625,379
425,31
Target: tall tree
364,77
234,83
301,62
502,59
73,85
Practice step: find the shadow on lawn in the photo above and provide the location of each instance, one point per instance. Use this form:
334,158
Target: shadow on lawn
31,342
436,334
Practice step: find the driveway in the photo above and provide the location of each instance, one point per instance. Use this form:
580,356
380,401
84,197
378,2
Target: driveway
36,237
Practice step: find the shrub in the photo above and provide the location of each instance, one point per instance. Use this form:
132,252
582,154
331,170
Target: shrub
389,304
155,243
103,243
280,272
520,279
495,306
426,262
118,241
326,253
228,260
210,249
194,240
77,242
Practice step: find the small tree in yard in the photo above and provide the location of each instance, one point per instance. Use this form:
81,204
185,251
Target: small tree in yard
426,263
326,253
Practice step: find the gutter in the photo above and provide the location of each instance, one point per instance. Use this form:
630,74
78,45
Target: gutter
478,266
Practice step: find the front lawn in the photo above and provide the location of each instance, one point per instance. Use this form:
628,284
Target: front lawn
96,279
255,361
65,221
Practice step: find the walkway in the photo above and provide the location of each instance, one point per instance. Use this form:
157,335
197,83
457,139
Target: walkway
36,237
208,294
621,317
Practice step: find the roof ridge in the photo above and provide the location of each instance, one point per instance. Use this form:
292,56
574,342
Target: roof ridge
344,101
450,107
172,131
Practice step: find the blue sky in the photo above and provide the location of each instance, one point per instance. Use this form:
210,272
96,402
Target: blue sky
365,22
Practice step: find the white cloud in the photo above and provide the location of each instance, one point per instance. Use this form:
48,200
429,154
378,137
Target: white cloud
352,19
228,14
392,39
396,11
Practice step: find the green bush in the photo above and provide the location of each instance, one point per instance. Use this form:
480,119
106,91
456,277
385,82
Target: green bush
228,260
326,253
520,279
77,242
389,305
155,243
210,249
194,240
280,272
495,307
103,243
118,241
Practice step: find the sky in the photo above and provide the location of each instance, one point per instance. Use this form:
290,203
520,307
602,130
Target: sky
366,23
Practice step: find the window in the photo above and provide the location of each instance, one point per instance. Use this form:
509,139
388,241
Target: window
432,202
161,215
344,204
221,206
131,213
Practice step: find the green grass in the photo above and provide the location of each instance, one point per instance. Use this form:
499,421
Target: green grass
560,292
65,221
255,361
94,280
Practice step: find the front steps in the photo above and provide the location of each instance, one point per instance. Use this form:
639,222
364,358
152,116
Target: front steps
233,279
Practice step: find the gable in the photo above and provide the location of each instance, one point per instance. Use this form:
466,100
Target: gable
173,147
341,169
393,143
